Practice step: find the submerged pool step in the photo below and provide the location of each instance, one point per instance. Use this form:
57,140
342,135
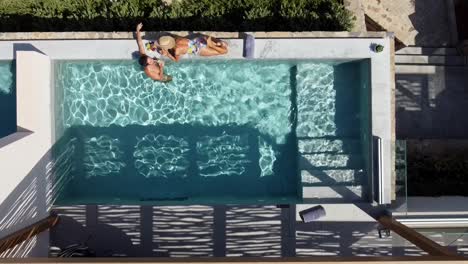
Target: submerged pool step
330,161
324,145
332,177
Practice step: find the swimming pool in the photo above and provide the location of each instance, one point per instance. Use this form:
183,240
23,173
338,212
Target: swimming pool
7,98
222,132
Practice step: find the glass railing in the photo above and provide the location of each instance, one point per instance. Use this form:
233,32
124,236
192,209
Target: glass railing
455,239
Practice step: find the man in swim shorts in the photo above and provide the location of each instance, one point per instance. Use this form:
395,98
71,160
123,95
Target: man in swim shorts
153,67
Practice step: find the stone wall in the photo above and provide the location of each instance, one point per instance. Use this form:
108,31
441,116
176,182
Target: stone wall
397,22
357,9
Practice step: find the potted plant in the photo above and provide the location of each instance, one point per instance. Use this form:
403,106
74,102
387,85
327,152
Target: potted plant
377,47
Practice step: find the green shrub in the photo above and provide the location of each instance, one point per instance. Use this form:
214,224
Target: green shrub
379,48
219,15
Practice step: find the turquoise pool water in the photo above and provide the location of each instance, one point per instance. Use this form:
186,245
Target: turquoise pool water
221,132
7,98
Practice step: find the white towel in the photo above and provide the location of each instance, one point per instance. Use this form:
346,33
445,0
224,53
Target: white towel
149,52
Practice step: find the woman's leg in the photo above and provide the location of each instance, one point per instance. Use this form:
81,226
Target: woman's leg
213,42
207,51
219,45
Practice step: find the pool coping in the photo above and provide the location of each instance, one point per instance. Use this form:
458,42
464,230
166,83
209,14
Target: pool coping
271,45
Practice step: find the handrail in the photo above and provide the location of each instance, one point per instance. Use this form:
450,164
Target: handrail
378,168
27,232
419,240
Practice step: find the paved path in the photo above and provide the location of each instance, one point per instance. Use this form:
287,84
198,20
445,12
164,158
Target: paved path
415,22
357,9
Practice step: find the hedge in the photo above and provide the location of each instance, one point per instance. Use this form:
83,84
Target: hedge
157,15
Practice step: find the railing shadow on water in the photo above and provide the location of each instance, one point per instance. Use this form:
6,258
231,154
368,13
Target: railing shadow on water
152,164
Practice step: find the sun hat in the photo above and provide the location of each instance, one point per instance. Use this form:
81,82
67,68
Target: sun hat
166,42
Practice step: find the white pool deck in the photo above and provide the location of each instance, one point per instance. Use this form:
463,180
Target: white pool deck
34,89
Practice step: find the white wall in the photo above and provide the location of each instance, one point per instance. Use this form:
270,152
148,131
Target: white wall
25,154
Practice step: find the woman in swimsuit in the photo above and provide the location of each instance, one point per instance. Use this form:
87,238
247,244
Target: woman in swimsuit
203,46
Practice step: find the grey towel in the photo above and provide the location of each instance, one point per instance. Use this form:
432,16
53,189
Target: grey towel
249,46
312,214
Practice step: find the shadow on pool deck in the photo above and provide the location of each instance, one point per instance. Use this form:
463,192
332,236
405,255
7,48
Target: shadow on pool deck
215,231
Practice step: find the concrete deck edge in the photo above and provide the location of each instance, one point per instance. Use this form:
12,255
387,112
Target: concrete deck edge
130,35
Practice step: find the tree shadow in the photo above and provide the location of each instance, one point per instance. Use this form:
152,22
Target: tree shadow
430,20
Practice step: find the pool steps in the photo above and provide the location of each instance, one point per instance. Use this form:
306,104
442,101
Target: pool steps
336,176
329,160
323,145
334,171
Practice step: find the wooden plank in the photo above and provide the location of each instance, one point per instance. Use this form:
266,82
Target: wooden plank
419,240
27,232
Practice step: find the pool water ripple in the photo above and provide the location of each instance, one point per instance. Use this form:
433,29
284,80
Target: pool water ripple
208,93
219,129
